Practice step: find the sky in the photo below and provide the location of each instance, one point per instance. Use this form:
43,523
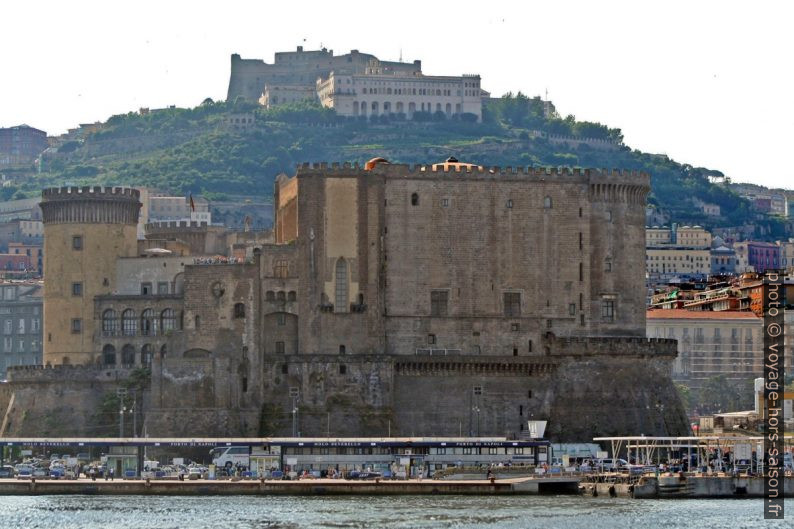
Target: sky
707,83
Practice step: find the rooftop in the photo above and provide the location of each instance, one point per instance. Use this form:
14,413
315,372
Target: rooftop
682,314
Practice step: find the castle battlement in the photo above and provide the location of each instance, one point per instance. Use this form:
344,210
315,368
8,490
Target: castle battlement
612,346
66,373
173,224
346,168
71,192
605,185
90,205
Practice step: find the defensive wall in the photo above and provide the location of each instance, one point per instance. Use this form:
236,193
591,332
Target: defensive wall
55,401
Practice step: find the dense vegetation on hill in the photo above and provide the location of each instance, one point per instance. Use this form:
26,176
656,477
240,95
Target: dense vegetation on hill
195,150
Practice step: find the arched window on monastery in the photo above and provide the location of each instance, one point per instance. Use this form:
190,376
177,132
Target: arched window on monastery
363,108
386,107
270,296
129,323
449,109
109,355
168,320
375,107
110,323
128,355
147,353
411,108
148,323
414,199
281,295
239,311
340,304
547,203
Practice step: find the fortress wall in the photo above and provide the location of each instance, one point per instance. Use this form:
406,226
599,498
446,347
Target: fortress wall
58,401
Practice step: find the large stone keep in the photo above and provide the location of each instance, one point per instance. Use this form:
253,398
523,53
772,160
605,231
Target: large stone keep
442,299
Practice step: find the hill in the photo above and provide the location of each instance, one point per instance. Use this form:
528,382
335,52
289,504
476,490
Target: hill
202,150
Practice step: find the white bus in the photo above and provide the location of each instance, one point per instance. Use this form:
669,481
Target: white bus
231,456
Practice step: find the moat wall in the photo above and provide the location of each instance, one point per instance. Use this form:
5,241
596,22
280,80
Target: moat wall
583,388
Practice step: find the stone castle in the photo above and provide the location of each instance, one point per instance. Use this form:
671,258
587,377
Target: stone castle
301,68
439,299
356,85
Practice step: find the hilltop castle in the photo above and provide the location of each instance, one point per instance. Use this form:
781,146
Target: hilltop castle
355,85
412,300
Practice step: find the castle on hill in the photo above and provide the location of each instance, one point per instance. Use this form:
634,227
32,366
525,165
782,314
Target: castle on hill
355,85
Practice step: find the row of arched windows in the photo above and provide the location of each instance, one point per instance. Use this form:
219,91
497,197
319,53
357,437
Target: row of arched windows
281,295
148,324
129,355
361,108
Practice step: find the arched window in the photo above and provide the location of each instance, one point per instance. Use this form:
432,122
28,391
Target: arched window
110,323
197,322
163,351
239,310
129,323
292,296
281,296
147,353
270,296
414,199
448,109
179,283
340,304
127,355
168,320
547,202
374,107
148,323
109,355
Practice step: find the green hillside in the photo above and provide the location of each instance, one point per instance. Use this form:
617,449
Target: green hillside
194,150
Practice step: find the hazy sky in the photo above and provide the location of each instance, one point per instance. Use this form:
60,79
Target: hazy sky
708,83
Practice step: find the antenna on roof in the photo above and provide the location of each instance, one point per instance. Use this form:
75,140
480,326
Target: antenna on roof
401,55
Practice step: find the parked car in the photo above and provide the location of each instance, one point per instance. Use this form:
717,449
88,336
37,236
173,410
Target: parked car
611,465
194,473
24,472
6,471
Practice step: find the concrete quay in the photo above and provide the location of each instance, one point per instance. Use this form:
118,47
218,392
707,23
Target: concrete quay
675,487
121,487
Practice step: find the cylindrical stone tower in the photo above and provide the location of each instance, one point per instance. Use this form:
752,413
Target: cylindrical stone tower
85,230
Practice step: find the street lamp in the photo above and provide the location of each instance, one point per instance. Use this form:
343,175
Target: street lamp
121,393
293,393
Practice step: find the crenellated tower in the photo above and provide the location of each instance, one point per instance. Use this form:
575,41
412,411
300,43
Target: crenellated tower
85,230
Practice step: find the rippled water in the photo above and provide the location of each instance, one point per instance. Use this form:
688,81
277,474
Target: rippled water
271,512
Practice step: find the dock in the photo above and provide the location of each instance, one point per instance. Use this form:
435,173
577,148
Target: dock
310,487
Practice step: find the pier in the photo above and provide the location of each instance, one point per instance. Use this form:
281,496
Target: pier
121,487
